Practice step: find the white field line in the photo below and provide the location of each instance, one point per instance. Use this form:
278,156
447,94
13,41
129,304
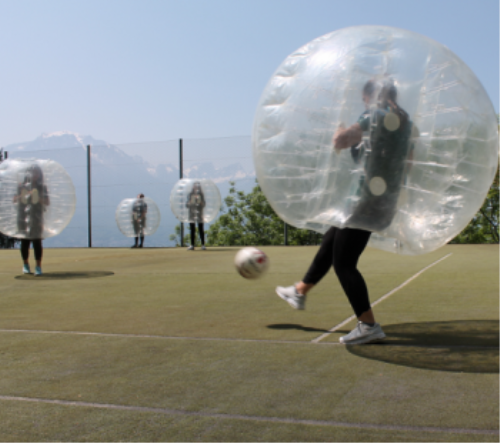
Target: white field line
164,337
234,340
167,411
381,299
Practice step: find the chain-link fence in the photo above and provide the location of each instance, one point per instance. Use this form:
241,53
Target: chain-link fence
124,170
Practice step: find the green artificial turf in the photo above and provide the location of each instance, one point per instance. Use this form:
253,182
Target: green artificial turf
168,328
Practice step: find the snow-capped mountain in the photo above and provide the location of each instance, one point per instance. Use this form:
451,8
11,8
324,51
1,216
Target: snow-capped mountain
56,140
117,175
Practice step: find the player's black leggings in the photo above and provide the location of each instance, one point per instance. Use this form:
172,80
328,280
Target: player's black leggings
342,249
37,246
193,232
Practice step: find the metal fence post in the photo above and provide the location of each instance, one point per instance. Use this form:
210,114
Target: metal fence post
286,234
181,173
89,198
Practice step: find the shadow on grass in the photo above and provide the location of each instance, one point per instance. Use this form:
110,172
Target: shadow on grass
457,346
294,326
64,275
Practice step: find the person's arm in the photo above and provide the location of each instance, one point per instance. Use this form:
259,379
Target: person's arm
345,138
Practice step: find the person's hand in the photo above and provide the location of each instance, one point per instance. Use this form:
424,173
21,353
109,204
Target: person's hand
341,140
345,138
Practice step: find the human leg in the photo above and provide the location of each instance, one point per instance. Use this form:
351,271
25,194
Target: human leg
142,241
37,246
136,227
320,264
25,252
295,295
201,231
348,246
192,231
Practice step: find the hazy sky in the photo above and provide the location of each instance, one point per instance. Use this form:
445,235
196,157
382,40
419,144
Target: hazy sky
149,70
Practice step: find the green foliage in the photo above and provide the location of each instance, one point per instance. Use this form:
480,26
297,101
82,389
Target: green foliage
483,228
250,220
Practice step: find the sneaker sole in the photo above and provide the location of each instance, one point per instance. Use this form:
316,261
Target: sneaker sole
287,299
365,340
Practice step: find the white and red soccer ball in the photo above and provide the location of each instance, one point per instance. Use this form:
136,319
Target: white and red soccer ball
251,262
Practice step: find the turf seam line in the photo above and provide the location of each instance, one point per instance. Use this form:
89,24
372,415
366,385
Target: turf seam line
167,411
165,337
381,299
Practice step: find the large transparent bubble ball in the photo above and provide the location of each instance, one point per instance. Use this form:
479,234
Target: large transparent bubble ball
422,168
195,200
37,198
137,217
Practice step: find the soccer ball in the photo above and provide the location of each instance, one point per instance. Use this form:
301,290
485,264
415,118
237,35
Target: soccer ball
251,262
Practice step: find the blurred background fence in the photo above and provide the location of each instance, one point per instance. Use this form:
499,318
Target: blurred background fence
124,170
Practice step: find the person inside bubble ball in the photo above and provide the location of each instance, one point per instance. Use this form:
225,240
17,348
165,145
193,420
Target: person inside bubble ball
388,147
385,151
195,203
32,199
139,211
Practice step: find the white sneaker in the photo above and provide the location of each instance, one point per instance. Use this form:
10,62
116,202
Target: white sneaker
203,248
363,333
26,269
292,297
191,248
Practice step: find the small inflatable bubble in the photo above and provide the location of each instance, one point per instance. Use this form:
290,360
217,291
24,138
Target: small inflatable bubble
37,198
380,129
195,200
137,217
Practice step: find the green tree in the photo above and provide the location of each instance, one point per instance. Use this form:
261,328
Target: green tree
483,228
250,220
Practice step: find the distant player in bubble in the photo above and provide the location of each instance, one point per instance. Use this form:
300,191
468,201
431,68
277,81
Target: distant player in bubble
32,199
139,213
386,151
196,203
